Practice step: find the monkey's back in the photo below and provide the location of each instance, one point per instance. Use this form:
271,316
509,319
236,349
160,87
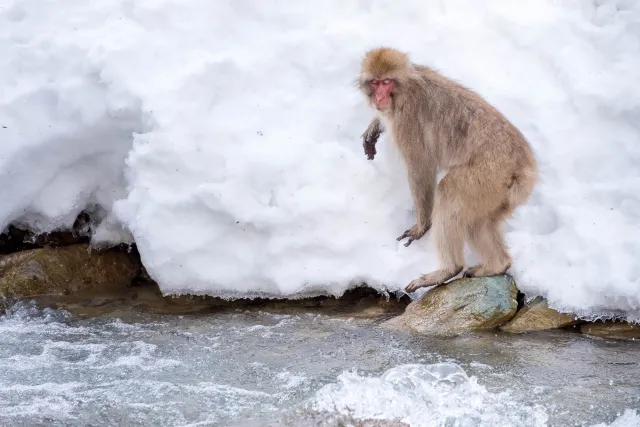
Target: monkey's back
471,130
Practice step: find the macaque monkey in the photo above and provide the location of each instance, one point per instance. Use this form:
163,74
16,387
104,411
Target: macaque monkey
436,123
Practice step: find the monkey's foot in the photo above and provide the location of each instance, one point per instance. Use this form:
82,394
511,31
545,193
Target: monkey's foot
414,233
436,278
482,270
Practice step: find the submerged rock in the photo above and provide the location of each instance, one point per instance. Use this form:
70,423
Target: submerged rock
537,316
65,270
146,297
461,305
612,330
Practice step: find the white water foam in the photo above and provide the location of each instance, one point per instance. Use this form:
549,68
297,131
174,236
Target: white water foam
424,396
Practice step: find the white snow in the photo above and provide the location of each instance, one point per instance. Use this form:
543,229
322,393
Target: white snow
240,124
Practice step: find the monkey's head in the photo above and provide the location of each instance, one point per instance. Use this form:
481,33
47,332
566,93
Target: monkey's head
384,72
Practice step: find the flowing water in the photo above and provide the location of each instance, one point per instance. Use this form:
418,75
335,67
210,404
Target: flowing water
257,368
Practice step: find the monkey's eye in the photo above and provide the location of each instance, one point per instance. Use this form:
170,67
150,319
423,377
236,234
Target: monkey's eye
386,81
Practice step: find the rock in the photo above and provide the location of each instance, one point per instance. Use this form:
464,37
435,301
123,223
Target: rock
461,305
65,270
612,330
146,297
16,238
537,316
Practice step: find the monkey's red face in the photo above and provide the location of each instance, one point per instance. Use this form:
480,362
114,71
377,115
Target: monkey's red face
381,93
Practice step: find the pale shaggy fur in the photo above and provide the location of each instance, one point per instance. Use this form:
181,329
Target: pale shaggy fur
491,168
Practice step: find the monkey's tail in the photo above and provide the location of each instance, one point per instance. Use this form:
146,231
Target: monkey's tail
522,186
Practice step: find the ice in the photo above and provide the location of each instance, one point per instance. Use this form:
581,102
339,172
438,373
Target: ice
225,137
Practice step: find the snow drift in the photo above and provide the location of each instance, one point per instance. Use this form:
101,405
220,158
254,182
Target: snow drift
225,137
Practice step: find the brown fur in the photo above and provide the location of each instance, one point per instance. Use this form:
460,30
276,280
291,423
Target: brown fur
437,123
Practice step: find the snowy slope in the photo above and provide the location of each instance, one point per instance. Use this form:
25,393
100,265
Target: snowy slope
240,126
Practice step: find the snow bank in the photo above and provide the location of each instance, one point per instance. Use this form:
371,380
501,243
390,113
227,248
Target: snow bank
64,133
245,173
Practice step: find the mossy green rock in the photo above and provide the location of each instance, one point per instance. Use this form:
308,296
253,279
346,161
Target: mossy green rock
461,305
65,270
537,316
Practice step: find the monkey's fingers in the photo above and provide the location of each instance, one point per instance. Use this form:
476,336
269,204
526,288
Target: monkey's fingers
409,234
421,282
403,236
369,149
414,286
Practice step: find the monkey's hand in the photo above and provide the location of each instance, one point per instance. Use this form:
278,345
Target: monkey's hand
414,233
370,138
369,149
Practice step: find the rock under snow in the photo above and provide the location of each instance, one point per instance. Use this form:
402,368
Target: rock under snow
65,270
612,330
537,316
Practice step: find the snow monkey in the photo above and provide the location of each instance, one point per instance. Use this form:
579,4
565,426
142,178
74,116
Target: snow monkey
436,123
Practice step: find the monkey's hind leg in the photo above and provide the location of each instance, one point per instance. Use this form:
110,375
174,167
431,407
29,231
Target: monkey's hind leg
487,240
448,234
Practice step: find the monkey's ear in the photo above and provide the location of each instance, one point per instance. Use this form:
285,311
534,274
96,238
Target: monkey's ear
363,83
365,76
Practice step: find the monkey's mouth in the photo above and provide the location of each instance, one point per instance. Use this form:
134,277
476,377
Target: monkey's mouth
384,106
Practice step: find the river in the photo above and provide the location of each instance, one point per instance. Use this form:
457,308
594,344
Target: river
301,368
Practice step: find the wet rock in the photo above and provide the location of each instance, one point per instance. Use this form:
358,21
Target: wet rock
144,275
537,316
65,270
612,330
461,305
146,297
360,302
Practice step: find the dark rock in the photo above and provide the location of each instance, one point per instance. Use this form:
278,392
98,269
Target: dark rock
537,316
16,238
462,305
